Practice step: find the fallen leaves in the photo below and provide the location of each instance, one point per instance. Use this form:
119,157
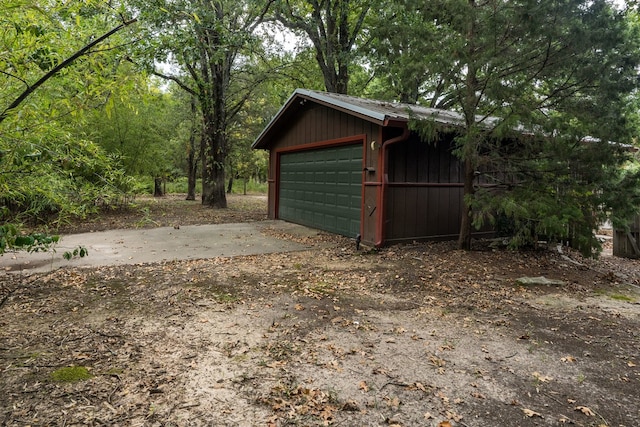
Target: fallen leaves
531,414
420,386
350,406
565,420
302,401
438,363
541,378
454,416
392,401
337,307
585,410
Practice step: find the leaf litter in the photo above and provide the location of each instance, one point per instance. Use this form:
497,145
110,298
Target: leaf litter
419,334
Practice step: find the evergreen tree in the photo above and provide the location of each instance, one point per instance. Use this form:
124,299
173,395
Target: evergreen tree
558,72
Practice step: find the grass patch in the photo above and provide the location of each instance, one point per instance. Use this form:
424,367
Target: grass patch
321,288
71,374
614,296
219,292
226,298
621,297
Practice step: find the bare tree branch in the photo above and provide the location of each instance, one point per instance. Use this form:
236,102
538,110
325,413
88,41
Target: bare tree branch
175,79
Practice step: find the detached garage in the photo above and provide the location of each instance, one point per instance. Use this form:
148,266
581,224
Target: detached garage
351,166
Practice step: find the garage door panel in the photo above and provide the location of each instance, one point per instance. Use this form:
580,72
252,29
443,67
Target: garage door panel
322,188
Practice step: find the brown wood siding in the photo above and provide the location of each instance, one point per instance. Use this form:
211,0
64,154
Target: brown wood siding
418,213
411,190
317,123
627,243
425,191
420,162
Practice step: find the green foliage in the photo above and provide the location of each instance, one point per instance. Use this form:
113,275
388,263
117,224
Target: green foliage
11,239
179,186
558,75
49,170
621,195
556,190
80,251
213,49
57,177
560,71
139,127
400,49
249,186
332,27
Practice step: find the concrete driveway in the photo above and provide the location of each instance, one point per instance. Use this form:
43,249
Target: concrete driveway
118,247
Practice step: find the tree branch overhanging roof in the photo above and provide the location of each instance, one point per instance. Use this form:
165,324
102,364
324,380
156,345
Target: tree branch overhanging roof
383,113
379,112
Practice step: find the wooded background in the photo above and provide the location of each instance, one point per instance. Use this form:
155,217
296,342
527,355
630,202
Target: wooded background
100,99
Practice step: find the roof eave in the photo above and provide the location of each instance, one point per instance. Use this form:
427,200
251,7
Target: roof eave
262,141
328,101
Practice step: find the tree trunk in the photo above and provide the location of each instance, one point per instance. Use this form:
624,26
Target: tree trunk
157,187
213,179
230,186
213,161
470,147
216,64
192,162
464,238
192,171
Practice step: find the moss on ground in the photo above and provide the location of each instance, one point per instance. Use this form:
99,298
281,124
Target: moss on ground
71,374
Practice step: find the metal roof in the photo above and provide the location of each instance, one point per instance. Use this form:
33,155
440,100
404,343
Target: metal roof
383,111
380,112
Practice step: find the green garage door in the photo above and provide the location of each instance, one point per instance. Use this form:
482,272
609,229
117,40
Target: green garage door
322,188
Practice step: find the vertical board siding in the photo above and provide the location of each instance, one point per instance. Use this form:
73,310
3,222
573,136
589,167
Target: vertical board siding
622,245
318,123
425,191
423,213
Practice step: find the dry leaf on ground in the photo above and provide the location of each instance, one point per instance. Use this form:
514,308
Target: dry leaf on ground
585,411
531,414
542,378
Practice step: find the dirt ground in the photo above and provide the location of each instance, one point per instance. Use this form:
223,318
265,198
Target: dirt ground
413,335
